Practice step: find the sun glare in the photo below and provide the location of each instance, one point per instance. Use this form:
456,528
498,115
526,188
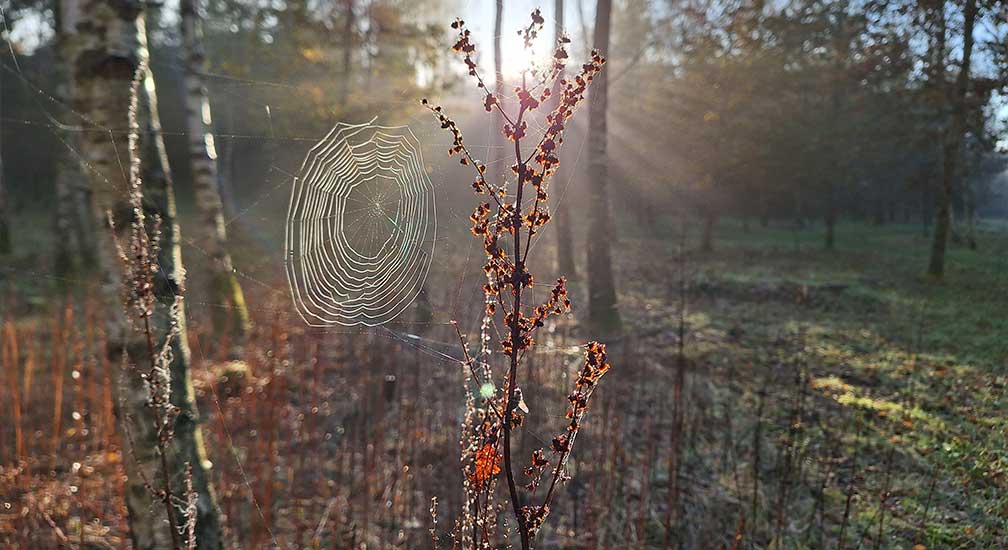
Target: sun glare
516,58
515,61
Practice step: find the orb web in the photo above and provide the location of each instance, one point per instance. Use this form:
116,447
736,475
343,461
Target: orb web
360,226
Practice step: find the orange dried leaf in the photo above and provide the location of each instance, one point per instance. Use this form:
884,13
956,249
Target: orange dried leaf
488,462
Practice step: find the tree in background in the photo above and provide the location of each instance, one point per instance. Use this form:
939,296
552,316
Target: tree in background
105,66
74,232
721,68
497,54
602,313
498,144
982,163
564,233
955,127
5,237
809,110
224,290
839,29
349,24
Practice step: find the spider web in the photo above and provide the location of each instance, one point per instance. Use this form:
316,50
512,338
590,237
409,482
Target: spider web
361,226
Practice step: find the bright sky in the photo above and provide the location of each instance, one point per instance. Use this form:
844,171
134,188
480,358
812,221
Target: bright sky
479,17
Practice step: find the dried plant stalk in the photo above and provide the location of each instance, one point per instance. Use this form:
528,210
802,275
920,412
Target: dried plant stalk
508,222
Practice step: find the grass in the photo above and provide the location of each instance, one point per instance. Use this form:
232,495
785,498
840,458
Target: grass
917,367
963,314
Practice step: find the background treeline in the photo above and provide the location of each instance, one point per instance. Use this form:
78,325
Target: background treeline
810,111
799,112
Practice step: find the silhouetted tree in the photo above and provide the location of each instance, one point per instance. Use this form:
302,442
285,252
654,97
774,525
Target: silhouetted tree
5,238
564,233
952,142
602,312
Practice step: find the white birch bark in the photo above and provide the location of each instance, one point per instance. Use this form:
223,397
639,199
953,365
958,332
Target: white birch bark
73,227
224,291
112,47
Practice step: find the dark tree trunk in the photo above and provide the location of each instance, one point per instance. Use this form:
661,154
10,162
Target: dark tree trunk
707,237
830,229
880,213
564,235
602,313
842,54
799,212
936,266
348,44
969,205
5,236
566,265
952,143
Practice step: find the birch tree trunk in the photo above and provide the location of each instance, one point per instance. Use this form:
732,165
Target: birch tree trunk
187,439
113,48
73,228
67,257
224,291
602,313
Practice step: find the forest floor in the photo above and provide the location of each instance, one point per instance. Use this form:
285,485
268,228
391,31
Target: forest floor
877,384
833,399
